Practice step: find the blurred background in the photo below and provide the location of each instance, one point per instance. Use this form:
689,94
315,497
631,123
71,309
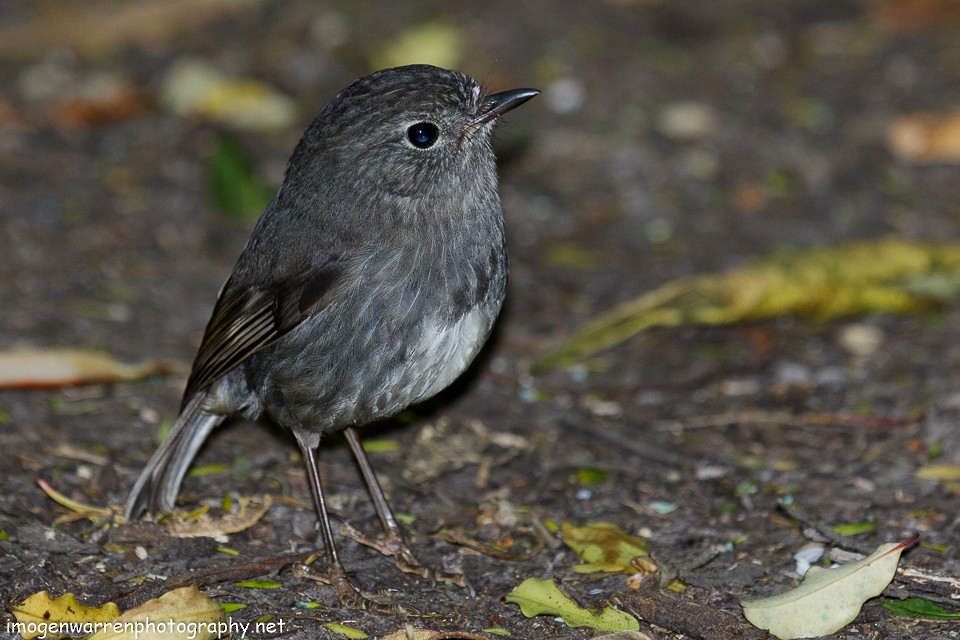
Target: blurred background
140,140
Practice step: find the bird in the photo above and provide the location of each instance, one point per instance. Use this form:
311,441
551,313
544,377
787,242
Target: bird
369,283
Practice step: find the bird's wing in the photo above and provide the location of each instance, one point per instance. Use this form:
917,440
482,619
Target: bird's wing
248,318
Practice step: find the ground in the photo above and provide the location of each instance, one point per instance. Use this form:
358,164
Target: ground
672,138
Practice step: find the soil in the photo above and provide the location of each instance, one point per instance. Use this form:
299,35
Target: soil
727,448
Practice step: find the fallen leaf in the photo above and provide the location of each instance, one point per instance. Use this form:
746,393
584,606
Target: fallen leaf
181,613
349,632
249,511
542,597
259,584
97,515
196,88
230,607
426,634
208,470
941,472
40,615
571,255
381,445
854,528
828,599
623,635
888,275
48,368
603,546
898,17
436,42
85,111
926,137
98,27
920,608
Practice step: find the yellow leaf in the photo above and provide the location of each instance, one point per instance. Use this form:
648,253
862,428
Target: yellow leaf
195,88
942,472
181,613
85,510
437,42
350,632
39,615
889,275
603,546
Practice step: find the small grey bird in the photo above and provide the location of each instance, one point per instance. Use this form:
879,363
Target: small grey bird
370,283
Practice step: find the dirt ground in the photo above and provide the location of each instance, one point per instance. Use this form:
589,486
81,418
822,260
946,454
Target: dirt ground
672,138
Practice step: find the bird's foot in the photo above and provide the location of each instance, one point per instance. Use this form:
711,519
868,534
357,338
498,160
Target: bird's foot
348,594
392,544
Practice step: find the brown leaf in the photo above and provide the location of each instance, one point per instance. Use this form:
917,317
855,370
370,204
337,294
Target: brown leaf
48,368
926,137
97,27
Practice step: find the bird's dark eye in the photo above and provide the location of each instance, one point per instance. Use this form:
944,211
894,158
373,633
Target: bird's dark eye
423,134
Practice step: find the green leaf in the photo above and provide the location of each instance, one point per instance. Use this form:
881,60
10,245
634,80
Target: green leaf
230,607
920,608
235,188
379,445
208,470
259,584
855,528
350,632
542,597
589,476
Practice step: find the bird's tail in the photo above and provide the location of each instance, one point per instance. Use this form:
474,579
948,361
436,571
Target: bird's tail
156,488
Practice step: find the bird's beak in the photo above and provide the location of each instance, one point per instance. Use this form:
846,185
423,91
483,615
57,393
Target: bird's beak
497,104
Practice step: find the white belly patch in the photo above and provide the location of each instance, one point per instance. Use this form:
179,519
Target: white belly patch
445,352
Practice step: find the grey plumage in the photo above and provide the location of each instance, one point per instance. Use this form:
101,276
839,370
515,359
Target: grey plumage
371,281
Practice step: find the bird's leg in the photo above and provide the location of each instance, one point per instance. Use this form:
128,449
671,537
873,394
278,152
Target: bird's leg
392,542
336,575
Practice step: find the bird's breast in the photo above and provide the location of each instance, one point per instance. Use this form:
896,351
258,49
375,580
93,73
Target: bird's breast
445,350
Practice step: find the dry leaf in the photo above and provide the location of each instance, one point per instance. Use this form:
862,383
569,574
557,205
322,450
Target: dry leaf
926,137
426,634
86,111
249,512
889,275
898,17
352,633
181,613
828,599
44,368
941,472
99,516
97,27
40,615
437,42
604,546
623,635
195,88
